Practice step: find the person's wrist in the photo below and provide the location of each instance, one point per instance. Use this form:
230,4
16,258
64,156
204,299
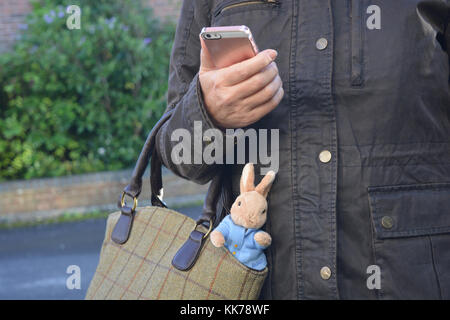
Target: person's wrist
205,108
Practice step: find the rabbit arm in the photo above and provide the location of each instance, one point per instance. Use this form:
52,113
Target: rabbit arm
262,239
220,234
217,239
224,228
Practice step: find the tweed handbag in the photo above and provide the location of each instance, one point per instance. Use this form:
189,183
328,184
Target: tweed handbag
156,253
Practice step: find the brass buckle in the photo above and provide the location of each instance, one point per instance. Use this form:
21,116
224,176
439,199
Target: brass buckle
122,201
207,232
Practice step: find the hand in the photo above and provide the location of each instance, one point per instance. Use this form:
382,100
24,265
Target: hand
263,238
241,94
217,239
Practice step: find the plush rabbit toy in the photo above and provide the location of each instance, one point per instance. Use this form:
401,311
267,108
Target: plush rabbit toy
239,231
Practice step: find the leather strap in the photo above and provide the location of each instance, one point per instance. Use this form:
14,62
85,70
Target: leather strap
122,230
133,189
188,253
212,198
186,256
156,181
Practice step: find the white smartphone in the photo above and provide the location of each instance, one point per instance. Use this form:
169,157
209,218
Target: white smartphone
229,45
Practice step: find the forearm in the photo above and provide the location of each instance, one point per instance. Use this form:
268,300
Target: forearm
188,115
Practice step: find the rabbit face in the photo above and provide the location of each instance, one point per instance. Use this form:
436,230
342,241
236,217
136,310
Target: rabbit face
249,210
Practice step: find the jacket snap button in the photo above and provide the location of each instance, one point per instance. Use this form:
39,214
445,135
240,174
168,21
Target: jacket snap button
235,245
234,252
325,156
387,222
325,273
321,43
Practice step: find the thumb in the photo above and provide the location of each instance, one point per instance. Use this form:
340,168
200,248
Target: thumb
206,63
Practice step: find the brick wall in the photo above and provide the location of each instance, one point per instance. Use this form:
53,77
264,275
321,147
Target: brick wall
166,9
41,198
13,12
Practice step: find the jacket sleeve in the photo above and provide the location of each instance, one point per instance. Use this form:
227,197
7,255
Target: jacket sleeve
184,95
437,13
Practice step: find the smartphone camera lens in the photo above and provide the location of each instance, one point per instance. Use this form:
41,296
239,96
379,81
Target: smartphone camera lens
208,35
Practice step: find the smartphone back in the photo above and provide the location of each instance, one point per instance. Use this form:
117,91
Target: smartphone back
229,45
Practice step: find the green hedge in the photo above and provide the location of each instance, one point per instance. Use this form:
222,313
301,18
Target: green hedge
76,101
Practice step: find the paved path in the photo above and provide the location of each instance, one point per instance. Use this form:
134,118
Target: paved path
33,260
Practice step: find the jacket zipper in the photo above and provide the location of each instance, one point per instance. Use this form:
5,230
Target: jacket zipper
246,3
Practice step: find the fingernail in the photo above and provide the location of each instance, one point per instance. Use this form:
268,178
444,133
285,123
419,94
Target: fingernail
273,54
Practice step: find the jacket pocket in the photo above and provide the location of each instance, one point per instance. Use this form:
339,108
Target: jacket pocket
267,20
243,5
357,48
411,226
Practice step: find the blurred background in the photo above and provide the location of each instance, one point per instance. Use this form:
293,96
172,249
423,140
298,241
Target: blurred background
76,105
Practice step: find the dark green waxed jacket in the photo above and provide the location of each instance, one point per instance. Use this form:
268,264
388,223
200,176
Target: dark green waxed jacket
374,93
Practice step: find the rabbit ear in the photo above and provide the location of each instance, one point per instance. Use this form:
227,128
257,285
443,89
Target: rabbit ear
248,178
264,186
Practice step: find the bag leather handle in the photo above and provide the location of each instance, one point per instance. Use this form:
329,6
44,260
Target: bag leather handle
188,253
133,189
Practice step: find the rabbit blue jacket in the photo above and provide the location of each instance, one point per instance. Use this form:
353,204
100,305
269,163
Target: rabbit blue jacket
241,243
